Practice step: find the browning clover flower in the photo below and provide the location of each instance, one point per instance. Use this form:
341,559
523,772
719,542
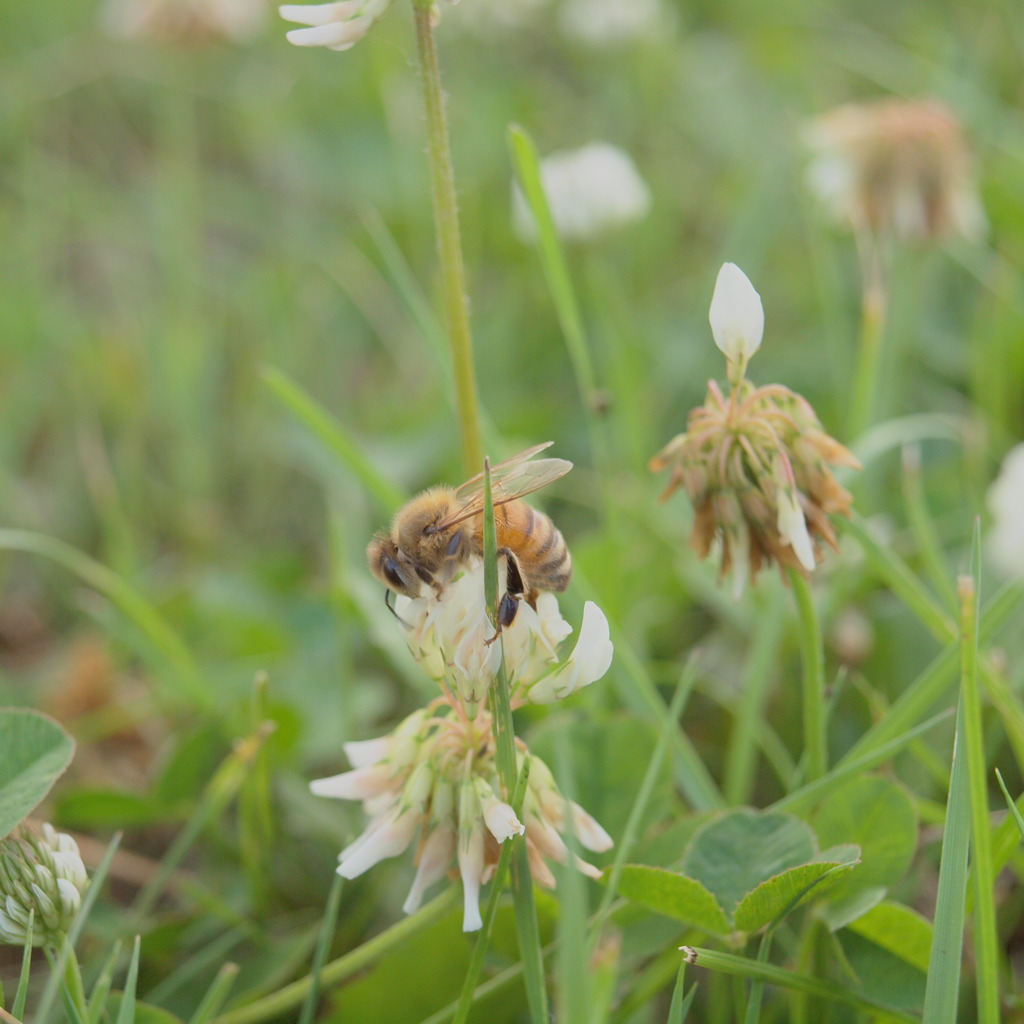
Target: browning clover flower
184,21
895,166
338,26
41,876
452,636
755,464
435,780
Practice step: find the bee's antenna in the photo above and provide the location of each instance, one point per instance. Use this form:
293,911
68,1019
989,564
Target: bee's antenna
388,594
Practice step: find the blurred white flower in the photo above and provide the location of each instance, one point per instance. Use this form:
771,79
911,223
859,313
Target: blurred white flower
610,22
1005,540
496,16
589,191
184,21
895,166
42,876
736,315
338,26
452,636
437,780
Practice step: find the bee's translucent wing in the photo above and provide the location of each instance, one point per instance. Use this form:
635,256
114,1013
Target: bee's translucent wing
510,479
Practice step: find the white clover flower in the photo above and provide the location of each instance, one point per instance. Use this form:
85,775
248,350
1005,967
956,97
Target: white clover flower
448,795
338,26
611,22
497,16
1005,540
184,21
453,638
42,876
736,315
589,190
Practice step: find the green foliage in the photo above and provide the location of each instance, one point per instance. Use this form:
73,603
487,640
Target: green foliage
36,750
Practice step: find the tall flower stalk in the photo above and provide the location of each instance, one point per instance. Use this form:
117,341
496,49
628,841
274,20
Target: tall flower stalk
449,241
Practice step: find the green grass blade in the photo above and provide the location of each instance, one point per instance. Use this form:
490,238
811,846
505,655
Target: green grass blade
187,680
1016,815
986,940
126,1015
101,987
679,1007
812,657
895,572
216,994
743,967
21,992
328,430
323,944
943,984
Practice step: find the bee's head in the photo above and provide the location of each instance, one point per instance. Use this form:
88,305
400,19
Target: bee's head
392,566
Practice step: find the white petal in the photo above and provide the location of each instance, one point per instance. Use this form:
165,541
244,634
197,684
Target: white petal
364,753
737,317
471,868
501,820
381,841
588,831
358,784
435,857
318,14
588,662
338,35
792,527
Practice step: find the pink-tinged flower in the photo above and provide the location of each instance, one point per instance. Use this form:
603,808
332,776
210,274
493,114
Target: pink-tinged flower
755,463
449,796
895,167
336,26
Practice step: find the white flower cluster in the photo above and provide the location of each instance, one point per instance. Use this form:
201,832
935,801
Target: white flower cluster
590,191
184,21
453,638
42,876
338,26
435,778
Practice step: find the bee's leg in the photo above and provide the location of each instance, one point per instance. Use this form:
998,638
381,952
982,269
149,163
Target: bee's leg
514,591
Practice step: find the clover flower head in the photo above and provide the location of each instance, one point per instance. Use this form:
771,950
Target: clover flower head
756,464
606,23
42,878
337,26
436,787
1006,501
184,21
590,191
452,637
895,167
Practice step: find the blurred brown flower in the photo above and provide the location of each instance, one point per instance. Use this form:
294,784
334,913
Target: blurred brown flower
895,166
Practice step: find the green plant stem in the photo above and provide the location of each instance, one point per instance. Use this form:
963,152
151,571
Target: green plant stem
288,998
986,943
872,331
449,245
813,659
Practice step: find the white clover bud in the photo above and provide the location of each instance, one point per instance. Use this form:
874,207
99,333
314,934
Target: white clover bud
338,26
41,876
737,318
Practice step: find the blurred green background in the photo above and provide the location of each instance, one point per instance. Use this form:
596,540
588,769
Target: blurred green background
176,219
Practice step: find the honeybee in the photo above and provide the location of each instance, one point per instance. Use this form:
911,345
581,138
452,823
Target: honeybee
437,532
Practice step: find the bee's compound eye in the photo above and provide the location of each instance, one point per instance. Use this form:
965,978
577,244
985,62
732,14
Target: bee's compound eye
390,569
454,544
